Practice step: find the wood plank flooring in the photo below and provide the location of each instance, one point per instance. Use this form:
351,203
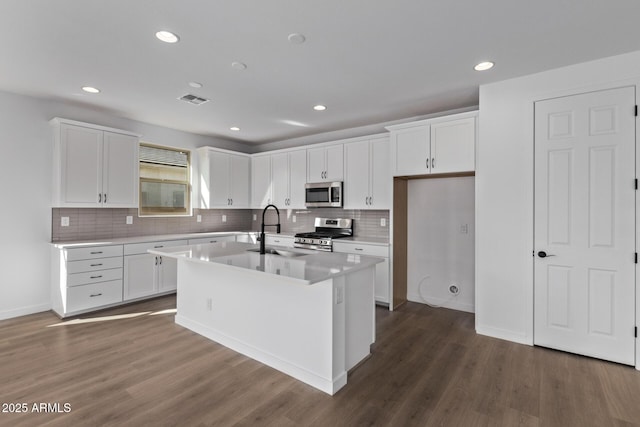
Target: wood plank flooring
428,368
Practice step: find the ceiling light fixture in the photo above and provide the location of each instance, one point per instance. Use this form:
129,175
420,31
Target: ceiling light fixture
90,89
296,38
167,36
483,66
234,128
195,84
238,65
319,107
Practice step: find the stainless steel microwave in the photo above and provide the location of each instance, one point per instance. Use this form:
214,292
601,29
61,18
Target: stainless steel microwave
323,195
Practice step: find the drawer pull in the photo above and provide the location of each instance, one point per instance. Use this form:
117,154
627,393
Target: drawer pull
95,265
159,246
95,277
359,249
95,295
96,252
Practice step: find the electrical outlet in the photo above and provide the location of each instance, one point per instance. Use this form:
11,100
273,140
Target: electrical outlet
383,222
224,218
129,219
293,218
64,221
255,217
198,218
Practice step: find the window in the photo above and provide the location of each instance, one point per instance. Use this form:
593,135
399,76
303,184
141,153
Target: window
164,181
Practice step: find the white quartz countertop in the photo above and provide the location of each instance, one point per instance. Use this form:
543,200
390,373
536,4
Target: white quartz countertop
308,268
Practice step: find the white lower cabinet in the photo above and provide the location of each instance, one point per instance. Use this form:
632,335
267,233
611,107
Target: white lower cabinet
86,278
278,240
146,274
382,291
215,239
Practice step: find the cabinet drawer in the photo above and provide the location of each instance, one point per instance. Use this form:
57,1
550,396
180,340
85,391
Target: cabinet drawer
212,239
361,249
79,279
142,248
93,264
75,254
279,240
94,295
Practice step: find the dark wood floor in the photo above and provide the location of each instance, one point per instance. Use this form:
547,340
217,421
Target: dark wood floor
428,368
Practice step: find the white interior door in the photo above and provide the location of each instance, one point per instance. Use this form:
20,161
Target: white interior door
585,224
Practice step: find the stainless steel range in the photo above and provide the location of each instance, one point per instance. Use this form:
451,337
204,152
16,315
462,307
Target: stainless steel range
327,229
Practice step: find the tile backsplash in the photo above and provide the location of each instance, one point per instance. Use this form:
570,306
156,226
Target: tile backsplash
102,223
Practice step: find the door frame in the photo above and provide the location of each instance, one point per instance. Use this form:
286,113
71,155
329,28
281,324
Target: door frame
530,109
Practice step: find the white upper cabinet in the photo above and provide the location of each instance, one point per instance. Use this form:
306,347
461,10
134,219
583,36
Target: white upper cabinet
94,166
288,176
325,163
260,181
367,177
453,145
224,179
441,145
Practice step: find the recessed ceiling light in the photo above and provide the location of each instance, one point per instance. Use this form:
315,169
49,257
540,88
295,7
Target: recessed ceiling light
234,128
483,66
319,107
238,65
296,38
167,36
90,89
195,84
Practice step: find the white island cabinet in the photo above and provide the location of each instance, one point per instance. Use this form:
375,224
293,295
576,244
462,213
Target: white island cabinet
310,316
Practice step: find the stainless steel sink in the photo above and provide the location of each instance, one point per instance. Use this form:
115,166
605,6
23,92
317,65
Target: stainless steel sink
281,252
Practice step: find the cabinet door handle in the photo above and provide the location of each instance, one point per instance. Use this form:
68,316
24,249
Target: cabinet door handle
95,265
231,201
156,260
95,295
433,162
370,200
160,260
95,252
99,197
95,277
105,197
427,161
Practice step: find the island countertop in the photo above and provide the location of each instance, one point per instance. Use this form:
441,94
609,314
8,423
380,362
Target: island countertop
307,267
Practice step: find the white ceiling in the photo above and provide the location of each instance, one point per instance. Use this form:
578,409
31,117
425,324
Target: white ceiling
369,61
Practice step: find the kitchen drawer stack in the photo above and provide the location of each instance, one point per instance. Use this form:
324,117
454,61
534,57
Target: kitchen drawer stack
86,278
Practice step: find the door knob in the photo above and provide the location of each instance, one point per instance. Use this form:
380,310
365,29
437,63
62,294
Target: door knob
543,254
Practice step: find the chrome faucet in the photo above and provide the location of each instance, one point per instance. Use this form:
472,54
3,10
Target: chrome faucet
262,249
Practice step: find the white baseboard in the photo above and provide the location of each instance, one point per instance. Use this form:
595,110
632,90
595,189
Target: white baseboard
314,380
504,334
24,311
445,303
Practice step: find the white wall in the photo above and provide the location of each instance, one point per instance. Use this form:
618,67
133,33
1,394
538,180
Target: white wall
26,141
439,254
504,187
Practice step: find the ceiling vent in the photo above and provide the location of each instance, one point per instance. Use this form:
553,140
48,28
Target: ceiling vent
192,99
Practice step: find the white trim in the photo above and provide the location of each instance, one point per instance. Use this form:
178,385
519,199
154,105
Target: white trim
56,121
441,302
504,334
24,311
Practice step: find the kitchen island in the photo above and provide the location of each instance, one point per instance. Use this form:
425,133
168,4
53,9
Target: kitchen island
308,314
